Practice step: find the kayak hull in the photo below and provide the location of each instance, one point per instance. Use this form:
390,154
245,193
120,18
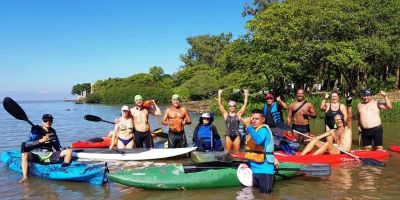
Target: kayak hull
200,157
324,158
174,177
130,154
93,173
394,148
88,144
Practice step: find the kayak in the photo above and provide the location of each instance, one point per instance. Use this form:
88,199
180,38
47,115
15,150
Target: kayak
129,154
200,157
394,148
324,158
178,176
93,173
98,142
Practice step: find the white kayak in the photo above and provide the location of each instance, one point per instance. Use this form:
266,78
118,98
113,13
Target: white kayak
129,154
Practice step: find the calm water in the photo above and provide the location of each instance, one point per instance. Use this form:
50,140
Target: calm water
352,181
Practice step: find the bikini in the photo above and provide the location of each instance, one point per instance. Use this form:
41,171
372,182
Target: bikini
124,127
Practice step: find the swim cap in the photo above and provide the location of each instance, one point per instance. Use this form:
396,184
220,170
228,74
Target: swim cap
176,96
231,103
367,92
125,107
138,97
206,115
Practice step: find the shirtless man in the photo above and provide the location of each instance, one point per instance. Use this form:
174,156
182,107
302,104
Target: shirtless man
141,122
337,139
176,117
299,112
369,120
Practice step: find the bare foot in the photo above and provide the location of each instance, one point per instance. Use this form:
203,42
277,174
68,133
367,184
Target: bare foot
23,179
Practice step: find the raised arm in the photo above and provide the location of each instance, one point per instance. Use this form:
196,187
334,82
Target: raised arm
243,108
387,105
157,110
220,106
349,112
282,103
324,105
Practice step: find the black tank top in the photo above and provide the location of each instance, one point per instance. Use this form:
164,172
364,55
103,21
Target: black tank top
329,116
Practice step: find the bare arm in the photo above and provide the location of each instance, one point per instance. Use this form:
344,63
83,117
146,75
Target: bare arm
243,108
282,103
349,120
188,120
165,118
220,106
289,116
387,105
116,128
157,110
311,111
324,105
344,111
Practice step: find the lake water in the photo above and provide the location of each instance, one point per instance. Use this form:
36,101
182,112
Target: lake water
350,181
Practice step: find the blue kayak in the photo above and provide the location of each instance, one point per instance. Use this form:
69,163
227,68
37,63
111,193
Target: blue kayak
93,173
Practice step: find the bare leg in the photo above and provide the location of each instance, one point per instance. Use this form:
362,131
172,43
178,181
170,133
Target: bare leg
378,147
24,166
309,147
368,148
322,149
228,143
67,154
236,144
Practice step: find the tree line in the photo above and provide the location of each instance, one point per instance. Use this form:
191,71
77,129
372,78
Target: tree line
333,44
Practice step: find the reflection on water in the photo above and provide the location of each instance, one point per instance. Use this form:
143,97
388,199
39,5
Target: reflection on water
350,181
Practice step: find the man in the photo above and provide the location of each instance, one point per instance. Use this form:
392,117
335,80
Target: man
260,151
273,113
369,120
338,139
299,112
39,147
176,117
140,116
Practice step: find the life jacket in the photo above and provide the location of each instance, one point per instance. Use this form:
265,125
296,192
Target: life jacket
276,115
258,153
205,133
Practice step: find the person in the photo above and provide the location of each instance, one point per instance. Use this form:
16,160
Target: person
331,109
232,138
40,145
260,151
338,138
123,130
299,113
369,121
205,135
176,117
142,135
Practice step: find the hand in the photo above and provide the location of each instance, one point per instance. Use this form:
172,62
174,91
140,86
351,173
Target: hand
45,138
220,91
246,121
349,99
246,92
244,165
326,96
279,98
383,93
154,102
116,120
276,162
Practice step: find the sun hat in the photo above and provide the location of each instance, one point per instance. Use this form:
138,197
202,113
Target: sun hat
245,175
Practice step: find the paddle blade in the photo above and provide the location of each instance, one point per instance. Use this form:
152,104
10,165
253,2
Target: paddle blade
157,131
15,110
373,162
92,118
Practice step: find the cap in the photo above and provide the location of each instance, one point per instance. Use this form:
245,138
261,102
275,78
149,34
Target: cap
269,96
206,115
367,92
231,103
245,175
47,116
138,97
176,96
124,107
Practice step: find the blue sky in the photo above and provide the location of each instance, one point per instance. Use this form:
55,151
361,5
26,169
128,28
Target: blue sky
48,46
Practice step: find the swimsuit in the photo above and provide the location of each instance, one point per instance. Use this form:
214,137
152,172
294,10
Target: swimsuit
372,135
176,139
329,117
125,141
143,138
232,127
301,128
122,128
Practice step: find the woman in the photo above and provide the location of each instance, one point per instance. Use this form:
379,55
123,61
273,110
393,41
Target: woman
205,135
232,138
124,128
331,109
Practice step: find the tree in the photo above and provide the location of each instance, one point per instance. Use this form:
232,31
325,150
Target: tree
157,72
79,89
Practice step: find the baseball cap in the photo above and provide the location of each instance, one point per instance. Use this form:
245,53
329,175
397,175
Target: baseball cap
206,115
47,116
176,96
367,92
269,96
124,107
138,97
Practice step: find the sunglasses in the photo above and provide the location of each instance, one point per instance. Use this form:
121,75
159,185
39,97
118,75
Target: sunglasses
48,120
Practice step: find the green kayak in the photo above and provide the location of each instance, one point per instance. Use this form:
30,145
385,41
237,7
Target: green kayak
177,176
200,157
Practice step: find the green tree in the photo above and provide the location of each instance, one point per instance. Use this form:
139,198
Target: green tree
157,72
79,89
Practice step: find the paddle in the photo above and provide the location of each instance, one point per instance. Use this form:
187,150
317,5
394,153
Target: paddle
15,110
94,118
367,161
314,169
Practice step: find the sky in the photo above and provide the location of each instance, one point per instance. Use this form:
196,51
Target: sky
48,46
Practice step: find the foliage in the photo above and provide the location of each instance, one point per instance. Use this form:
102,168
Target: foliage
79,89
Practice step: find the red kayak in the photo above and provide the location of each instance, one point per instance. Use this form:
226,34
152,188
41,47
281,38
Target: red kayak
99,142
394,148
324,158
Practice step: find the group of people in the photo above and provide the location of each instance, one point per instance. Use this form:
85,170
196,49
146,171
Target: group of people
132,129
